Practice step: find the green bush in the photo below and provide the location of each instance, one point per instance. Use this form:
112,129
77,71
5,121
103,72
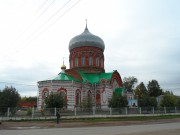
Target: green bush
29,111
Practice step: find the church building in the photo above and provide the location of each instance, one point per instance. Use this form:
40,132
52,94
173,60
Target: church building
86,78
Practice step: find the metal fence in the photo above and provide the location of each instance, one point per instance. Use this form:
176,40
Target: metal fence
49,113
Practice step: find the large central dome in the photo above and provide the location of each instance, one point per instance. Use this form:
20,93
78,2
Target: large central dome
86,39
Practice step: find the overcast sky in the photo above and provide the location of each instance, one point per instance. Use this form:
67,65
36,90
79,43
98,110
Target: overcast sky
142,39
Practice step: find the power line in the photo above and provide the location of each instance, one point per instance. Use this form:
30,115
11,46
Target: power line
15,83
29,26
36,19
59,17
42,5
30,39
66,11
55,13
11,83
56,20
172,88
36,35
5,82
50,18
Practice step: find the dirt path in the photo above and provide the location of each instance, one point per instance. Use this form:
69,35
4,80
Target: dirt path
70,124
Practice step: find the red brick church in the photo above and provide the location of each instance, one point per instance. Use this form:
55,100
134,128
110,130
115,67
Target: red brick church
86,78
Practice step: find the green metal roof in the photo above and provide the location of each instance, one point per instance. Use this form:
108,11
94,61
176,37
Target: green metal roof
87,77
118,91
64,77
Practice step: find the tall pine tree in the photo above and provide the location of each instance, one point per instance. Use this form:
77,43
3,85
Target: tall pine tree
154,89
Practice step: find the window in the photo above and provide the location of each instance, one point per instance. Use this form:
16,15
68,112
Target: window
102,63
78,98
89,97
62,94
76,61
83,60
90,61
97,61
115,84
98,98
46,93
71,63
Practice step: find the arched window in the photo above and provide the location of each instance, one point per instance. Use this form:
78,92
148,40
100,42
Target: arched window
89,99
62,94
97,61
89,94
78,98
102,63
71,63
83,60
76,61
115,84
45,93
90,61
98,98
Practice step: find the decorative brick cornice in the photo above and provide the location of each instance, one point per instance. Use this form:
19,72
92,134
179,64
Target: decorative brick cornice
117,77
86,48
86,51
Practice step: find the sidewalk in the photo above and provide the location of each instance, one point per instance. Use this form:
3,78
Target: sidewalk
157,129
76,124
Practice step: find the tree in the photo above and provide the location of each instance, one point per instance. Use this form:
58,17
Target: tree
9,97
147,101
129,82
87,103
55,100
169,100
141,90
118,101
153,102
29,99
178,102
154,89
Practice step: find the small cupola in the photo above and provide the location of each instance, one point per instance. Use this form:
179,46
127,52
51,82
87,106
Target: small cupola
63,67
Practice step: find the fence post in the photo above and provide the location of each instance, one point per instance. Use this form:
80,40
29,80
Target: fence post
32,112
93,110
8,113
126,110
164,109
55,111
75,111
140,110
153,110
110,109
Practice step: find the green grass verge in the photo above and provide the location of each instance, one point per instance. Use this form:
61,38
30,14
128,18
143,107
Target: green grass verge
133,118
